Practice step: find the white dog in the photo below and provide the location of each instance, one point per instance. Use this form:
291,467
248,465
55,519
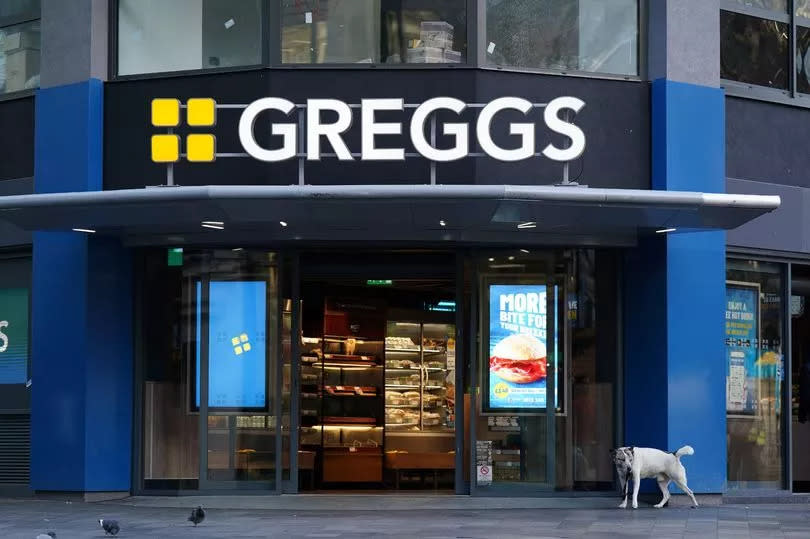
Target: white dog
639,463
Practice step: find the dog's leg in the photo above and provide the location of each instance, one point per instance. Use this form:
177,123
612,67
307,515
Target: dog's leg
626,492
663,484
681,482
636,485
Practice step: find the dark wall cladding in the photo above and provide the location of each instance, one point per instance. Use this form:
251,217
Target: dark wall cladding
766,142
17,138
616,122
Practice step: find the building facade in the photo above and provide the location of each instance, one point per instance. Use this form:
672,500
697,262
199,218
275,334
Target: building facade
468,246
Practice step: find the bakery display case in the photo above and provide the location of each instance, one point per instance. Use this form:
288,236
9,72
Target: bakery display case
419,378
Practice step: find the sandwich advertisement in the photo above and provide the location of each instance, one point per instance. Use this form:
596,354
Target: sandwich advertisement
237,348
518,359
742,347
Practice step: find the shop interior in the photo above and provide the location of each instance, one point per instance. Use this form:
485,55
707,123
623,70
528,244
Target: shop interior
377,378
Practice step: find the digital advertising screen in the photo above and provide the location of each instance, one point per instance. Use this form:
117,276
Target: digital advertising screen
237,344
518,345
743,362
13,335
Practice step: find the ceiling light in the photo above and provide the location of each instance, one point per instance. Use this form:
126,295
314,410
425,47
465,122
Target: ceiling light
528,224
492,260
283,223
215,227
511,258
217,223
87,230
665,230
524,251
237,249
442,223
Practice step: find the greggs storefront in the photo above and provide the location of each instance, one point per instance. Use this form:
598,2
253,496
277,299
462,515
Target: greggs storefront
282,281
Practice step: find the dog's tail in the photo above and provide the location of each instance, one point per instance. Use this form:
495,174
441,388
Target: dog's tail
685,450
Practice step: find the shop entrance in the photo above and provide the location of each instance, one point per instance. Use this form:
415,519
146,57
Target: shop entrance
377,372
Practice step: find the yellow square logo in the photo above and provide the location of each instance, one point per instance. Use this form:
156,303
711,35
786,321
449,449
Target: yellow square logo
246,347
201,148
165,148
235,341
201,112
165,112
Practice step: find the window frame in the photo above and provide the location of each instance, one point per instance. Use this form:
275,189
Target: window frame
6,22
791,96
475,57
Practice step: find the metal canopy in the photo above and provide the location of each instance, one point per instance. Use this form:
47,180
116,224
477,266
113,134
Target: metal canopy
465,213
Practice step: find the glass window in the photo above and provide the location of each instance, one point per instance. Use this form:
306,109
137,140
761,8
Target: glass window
754,373
19,45
548,300
803,8
754,50
374,31
158,36
771,5
576,35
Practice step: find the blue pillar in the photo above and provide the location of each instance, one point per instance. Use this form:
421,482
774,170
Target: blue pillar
81,397
675,296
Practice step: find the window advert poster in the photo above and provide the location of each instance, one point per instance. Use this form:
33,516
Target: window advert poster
742,346
517,347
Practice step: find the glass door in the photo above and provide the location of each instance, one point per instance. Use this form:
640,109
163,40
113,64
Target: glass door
235,389
521,373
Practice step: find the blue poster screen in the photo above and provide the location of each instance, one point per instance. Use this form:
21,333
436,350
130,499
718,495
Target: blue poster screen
518,343
237,344
742,348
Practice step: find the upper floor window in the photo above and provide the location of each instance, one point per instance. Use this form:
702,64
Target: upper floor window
594,36
374,31
178,35
566,35
19,45
756,47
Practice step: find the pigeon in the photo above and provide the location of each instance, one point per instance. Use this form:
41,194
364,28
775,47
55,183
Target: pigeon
110,526
49,535
197,515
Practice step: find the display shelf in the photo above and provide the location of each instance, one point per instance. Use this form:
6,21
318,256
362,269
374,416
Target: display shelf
398,387
409,406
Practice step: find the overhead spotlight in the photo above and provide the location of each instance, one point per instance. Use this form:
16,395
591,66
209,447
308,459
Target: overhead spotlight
283,223
665,230
86,230
528,224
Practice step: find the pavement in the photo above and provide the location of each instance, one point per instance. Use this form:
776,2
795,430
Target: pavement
394,517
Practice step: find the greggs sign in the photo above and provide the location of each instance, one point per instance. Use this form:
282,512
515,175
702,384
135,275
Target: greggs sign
307,136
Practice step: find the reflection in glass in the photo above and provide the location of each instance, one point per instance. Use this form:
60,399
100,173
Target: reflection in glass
753,50
772,5
581,35
156,36
755,428
803,59
802,8
19,57
373,31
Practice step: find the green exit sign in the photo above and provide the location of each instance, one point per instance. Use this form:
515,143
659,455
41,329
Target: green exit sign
379,282
175,257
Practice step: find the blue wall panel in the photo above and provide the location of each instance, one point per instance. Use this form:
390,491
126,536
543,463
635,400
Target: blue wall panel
683,394
81,437
58,348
